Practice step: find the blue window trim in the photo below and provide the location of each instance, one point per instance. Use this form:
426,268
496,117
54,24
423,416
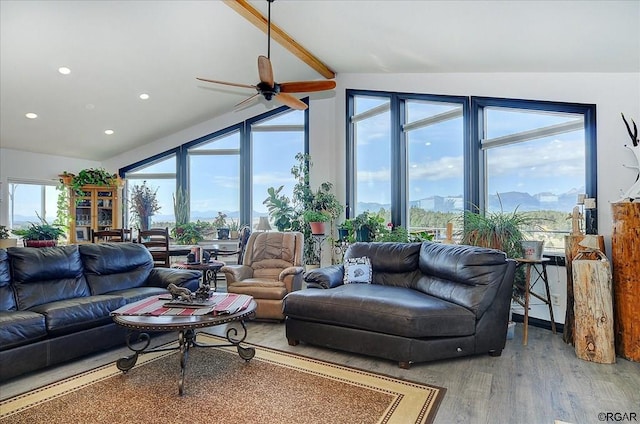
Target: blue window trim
473,122
591,160
399,201
244,127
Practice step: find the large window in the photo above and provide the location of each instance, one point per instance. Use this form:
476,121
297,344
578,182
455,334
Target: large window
275,141
228,171
420,160
159,174
537,157
214,178
30,201
406,158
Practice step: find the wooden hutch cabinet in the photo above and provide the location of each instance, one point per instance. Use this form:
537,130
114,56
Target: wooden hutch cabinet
96,209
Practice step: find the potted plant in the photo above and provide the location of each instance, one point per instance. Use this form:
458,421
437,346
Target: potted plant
367,226
40,235
316,221
220,222
90,176
5,241
345,230
144,204
234,227
188,233
280,209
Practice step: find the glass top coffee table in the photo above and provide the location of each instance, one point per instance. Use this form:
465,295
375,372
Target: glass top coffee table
186,325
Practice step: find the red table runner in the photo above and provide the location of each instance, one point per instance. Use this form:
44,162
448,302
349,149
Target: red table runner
218,304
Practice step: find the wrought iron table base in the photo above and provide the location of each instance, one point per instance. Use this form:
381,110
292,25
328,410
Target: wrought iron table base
186,340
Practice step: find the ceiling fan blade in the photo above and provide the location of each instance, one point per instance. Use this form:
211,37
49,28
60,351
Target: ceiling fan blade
291,101
306,86
265,71
227,83
246,101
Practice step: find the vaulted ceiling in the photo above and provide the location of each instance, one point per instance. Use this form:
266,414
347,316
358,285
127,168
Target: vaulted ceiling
117,50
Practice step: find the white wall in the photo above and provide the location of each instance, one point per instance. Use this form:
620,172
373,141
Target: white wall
33,167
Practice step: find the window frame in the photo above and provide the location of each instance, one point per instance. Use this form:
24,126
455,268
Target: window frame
474,169
398,140
588,111
244,128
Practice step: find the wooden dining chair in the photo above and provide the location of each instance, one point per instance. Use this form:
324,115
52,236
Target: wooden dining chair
113,235
127,234
157,241
243,237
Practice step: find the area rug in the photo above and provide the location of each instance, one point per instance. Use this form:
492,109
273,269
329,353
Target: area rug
219,387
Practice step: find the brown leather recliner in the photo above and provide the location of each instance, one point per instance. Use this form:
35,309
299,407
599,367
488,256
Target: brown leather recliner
271,268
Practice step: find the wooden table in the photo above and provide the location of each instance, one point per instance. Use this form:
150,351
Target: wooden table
528,286
186,327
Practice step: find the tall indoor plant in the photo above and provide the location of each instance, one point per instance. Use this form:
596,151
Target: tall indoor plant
288,214
144,204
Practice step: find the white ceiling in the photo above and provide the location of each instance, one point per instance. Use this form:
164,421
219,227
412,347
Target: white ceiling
119,49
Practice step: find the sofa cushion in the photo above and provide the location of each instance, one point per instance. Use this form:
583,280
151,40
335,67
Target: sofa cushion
467,275
48,274
18,328
115,266
7,299
393,264
138,293
463,264
384,309
357,270
71,315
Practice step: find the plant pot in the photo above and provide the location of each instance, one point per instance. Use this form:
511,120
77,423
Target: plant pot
532,249
233,234
343,234
317,228
363,234
10,242
40,243
223,234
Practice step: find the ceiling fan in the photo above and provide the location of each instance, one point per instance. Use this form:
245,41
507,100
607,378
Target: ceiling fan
270,89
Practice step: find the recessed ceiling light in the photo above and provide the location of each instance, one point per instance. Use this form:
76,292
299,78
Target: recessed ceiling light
108,132
144,96
31,115
64,70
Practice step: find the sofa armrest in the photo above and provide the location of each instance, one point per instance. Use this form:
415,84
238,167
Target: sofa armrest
162,277
235,273
292,270
325,278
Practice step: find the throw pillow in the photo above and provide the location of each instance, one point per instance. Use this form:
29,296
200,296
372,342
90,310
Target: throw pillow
357,270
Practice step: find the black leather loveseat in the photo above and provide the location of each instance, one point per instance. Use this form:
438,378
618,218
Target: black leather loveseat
55,302
426,301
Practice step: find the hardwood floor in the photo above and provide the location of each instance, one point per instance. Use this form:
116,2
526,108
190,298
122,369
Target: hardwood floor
538,383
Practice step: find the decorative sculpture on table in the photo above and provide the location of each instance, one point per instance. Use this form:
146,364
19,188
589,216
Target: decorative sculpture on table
633,193
180,293
576,221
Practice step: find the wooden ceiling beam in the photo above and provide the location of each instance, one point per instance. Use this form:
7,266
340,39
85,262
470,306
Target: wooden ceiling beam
255,17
